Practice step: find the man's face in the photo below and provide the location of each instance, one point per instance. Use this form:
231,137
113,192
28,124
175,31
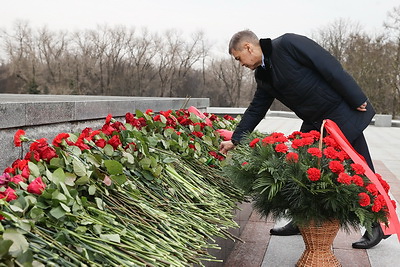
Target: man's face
248,57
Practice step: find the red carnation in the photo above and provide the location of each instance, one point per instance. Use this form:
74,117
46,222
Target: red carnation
315,152
385,185
358,180
296,143
25,172
192,146
268,140
294,135
48,153
330,153
364,199
344,178
198,134
4,178
58,139
306,135
281,148
38,145
342,155
379,203
336,167
329,141
166,113
17,178
277,134
314,174
8,194
19,137
308,141
108,118
372,189
281,139
86,132
292,157
101,143
129,118
213,117
9,170
114,141
131,145
32,156
229,118
20,164
357,168
254,142
80,143
315,134
36,186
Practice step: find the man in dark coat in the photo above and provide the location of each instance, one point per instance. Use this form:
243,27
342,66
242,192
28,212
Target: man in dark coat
312,83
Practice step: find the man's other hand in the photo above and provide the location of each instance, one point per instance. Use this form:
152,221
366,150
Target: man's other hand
363,107
225,146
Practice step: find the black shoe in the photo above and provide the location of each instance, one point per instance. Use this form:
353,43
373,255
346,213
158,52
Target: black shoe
288,229
367,241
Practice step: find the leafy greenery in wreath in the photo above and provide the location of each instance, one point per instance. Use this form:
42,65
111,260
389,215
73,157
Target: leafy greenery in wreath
306,179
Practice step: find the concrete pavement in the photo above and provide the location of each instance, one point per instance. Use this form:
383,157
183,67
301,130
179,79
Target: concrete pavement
262,249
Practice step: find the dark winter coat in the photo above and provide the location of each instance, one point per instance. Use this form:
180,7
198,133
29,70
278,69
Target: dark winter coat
311,82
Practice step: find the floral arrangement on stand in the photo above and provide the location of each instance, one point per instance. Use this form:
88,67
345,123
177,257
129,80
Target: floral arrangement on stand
145,192
306,178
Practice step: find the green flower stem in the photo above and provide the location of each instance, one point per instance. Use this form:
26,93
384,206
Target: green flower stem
107,250
65,250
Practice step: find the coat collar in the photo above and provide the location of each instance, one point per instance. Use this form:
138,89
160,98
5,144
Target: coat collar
261,73
266,48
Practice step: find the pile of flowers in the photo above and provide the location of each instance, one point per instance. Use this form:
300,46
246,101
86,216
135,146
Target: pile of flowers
148,191
306,179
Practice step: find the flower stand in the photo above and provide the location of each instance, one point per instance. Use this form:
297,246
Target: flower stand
318,240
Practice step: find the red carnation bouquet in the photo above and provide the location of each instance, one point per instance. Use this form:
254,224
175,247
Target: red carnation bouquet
304,178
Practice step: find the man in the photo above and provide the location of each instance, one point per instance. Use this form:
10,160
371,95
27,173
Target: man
313,84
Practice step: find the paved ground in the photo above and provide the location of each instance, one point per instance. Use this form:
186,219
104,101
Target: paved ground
262,249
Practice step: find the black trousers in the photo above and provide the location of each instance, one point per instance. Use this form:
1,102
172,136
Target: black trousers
360,145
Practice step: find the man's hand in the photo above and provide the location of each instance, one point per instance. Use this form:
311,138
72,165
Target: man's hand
363,107
225,146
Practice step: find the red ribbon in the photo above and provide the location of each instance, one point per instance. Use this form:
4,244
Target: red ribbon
199,114
335,132
225,134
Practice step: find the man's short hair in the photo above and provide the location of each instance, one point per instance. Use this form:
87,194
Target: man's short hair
240,37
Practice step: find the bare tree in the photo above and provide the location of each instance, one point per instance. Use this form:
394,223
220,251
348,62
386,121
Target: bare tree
141,50
51,52
364,57
167,57
21,49
334,36
188,55
229,76
393,26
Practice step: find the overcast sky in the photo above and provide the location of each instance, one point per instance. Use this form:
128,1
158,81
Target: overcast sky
216,18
